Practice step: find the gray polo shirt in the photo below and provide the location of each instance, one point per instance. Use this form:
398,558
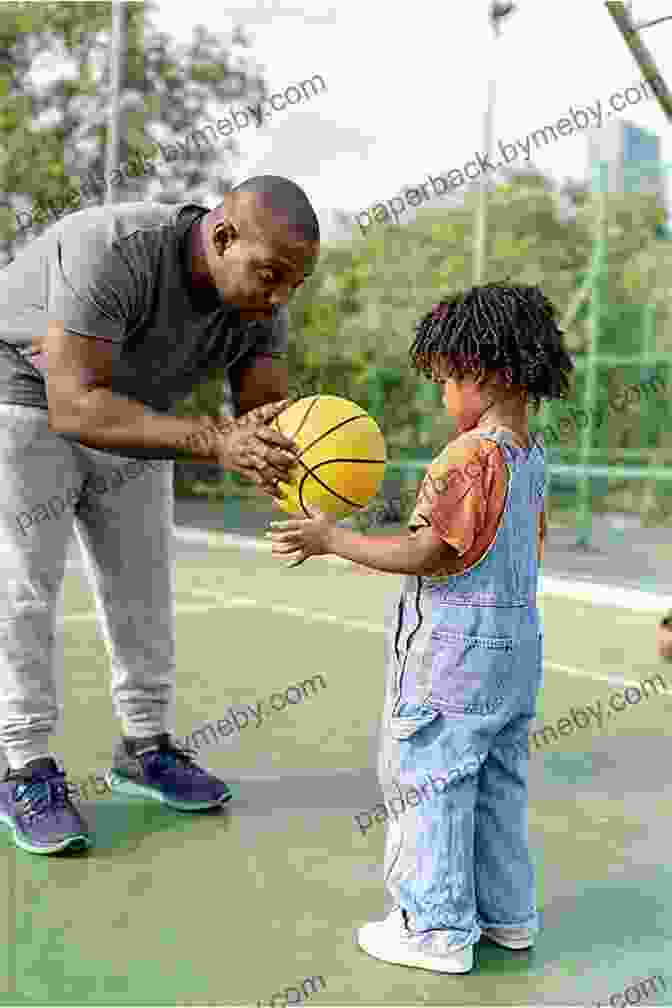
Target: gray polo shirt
118,274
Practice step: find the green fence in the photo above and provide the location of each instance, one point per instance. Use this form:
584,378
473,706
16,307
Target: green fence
622,377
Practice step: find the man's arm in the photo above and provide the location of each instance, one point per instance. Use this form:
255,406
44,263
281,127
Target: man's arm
82,406
95,293
263,379
263,376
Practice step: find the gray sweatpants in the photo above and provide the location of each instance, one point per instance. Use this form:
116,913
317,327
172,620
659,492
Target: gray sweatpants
122,513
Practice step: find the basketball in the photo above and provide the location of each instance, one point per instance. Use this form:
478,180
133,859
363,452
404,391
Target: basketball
341,460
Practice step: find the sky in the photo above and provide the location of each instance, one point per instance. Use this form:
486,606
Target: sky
407,85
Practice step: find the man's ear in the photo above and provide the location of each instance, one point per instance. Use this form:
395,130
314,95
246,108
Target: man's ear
224,234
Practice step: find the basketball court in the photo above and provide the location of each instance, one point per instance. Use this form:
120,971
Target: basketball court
232,907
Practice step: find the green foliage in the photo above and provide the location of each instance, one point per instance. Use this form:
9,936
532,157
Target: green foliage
33,168
52,135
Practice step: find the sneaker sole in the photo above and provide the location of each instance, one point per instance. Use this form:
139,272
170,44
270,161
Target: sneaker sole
76,842
512,946
434,963
122,785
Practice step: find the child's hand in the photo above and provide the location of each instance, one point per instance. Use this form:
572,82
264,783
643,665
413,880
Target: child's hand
302,537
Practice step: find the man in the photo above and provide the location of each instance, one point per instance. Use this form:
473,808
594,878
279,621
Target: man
108,320
664,637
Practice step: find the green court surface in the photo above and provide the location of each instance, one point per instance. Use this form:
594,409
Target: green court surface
228,908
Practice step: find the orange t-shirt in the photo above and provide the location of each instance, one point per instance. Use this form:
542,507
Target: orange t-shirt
463,496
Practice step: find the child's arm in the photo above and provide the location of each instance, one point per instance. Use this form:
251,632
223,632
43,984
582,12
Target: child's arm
421,552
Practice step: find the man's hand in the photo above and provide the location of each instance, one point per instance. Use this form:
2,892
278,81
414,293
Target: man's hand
250,448
302,537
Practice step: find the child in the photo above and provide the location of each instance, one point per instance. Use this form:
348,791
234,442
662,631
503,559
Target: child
465,644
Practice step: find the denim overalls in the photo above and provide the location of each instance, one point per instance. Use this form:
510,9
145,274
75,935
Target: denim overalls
463,670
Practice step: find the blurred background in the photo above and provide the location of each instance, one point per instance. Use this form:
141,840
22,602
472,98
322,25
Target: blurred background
375,102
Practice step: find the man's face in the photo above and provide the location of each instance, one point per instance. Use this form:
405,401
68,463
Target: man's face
256,262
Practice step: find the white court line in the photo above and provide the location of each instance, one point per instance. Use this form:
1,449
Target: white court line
220,601
597,594
321,617
580,591
90,615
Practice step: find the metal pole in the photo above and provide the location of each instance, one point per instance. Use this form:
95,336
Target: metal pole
576,303
117,68
499,10
598,277
481,233
643,58
650,419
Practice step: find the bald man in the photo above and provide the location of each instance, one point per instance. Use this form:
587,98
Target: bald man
107,320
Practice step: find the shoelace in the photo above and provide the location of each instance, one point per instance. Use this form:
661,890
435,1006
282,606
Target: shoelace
41,795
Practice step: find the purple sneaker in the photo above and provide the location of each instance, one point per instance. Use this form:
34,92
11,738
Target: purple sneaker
157,768
34,803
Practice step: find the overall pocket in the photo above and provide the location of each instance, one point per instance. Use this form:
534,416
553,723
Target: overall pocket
468,674
408,719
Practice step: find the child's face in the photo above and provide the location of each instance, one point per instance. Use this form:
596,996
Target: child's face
464,398
460,394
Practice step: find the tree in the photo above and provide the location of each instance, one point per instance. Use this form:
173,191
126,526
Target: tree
54,132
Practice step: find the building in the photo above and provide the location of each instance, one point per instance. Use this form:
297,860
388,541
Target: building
632,156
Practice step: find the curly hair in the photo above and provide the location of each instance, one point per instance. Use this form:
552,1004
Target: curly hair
497,327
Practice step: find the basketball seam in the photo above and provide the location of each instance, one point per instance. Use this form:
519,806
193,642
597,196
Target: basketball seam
303,506
329,460
311,472
317,479
304,417
324,434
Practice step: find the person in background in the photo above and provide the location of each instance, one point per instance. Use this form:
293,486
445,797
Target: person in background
664,637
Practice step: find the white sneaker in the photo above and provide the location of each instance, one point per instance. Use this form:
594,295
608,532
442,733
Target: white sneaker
391,941
516,938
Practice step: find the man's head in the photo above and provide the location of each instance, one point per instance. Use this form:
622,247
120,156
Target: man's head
258,245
